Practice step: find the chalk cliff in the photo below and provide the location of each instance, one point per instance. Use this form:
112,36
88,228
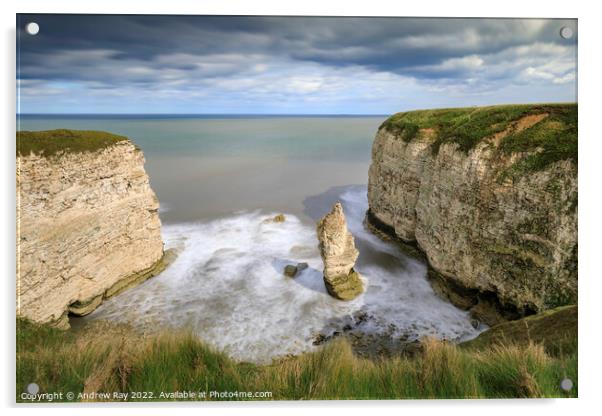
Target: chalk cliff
489,195
88,223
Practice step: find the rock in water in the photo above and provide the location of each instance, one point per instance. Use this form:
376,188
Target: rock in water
339,254
290,270
278,218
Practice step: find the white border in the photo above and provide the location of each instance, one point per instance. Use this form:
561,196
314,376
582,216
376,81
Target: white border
589,175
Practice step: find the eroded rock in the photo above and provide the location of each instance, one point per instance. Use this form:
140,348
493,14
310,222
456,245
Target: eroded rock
338,252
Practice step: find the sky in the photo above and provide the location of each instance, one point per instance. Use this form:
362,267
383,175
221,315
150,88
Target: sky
288,65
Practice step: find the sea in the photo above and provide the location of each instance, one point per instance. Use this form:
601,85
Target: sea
219,179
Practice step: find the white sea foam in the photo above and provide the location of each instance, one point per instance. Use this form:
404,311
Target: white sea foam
227,285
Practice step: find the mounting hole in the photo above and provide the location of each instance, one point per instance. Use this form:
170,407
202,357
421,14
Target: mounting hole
32,28
566,32
33,388
566,384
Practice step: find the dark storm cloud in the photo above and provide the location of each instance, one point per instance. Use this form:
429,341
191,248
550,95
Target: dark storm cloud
299,64
400,45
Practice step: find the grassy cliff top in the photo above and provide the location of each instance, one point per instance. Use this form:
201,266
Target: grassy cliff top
51,142
555,329
553,138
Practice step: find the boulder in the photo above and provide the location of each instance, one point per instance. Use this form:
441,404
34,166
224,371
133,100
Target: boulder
290,270
338,252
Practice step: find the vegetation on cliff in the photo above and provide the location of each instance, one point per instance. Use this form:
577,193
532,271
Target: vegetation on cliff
115,359
51,142
551,139
555,329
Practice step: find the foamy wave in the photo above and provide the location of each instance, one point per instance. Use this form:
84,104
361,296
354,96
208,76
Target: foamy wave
227,284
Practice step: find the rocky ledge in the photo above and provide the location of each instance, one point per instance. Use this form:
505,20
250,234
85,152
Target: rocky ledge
88,223
489,195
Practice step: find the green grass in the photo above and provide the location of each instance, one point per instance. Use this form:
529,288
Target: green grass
52,142
550,140
115,359
555,136
555,330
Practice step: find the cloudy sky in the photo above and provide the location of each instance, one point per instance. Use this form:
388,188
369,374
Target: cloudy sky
294,65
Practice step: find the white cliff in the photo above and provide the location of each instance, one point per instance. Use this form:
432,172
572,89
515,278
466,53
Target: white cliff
88,227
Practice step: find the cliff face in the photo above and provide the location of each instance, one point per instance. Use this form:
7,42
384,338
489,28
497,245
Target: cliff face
489,195
88,226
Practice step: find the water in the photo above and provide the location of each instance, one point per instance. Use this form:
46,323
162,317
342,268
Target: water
203,168
218,181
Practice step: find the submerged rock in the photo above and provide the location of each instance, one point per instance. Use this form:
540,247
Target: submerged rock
337,248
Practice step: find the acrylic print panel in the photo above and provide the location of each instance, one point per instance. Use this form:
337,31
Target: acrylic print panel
285,208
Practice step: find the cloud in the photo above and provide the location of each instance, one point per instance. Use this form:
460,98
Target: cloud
304,64
452,66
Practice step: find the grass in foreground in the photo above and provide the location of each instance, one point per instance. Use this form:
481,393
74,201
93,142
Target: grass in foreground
52,142
117,360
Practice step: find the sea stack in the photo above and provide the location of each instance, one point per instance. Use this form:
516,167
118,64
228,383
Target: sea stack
339,254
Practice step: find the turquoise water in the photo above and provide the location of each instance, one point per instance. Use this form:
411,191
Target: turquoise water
218,181
204,168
